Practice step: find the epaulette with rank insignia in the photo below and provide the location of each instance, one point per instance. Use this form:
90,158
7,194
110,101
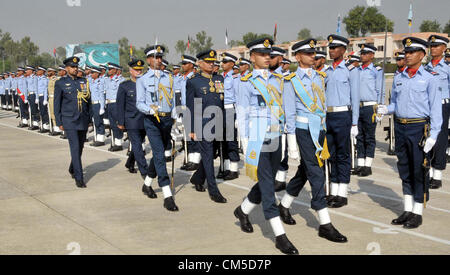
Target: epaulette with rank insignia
323,74
350,66
277,75
431,71
193,75
289,77
247,77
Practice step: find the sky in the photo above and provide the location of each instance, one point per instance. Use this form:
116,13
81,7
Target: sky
53,23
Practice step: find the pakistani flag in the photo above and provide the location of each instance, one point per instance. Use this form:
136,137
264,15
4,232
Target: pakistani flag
95,54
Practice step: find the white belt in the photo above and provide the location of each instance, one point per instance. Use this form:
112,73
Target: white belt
110,101
368,103
95,102
338,109
50,96
31,93
302,119
40,94
229,106
445,101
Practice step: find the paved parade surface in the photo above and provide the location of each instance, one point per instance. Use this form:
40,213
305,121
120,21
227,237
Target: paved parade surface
42,212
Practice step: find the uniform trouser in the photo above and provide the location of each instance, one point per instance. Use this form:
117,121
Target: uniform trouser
51,110
158,134
2,101
231,144
111,109
439,161
43,110
137,137
23,109
98,120
9,98
76,142
33,107
410,159
16,99
338,137
264,190
366,137
193,147
309,170
206,167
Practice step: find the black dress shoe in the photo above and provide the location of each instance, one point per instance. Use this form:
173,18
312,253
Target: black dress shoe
338,202
63,136
402,219
115,148
448,159
200,187
131,169
279,186
220,175
329,199
365,172
218,198
330,233
148,190
97,144
413,221
72,174
245,224
435,184
285,246
285,215
193,167
357,170
170,205
231,176
80,184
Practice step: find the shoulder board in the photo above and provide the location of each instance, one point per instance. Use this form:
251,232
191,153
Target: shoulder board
430,71
350,66
289,77
235,75
192,76
323,74
277,75
247,77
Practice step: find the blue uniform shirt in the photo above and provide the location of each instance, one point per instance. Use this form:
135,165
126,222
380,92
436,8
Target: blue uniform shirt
228,84
251,104
42,87
22,86
112,86
444,77
343,88
8,83
2,87
293,105
182,79
14,83
154,91
371,81
32,84
97,91
417,97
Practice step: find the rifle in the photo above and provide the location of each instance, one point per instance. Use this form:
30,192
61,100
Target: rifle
390,134
354,153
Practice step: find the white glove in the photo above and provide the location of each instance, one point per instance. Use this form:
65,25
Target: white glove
354,132
429,144
25,102
379,118
382,110
102,111
292,147
244,143
45,102
36,101
176,134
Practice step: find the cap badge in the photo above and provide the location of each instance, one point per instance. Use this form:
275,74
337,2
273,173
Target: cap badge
266,43
433,38
362,47
408,42
330,39
211,53
75,59
139,63
311,43
158,49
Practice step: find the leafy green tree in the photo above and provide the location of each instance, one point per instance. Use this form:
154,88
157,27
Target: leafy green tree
201,42
447,28
360,21
304,34
430,26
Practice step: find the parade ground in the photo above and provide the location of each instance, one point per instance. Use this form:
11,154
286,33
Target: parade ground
42,211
